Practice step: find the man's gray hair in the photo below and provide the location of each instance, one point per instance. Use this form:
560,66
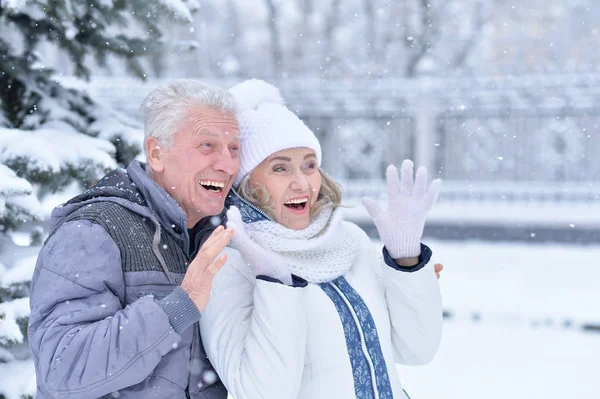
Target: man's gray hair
166,107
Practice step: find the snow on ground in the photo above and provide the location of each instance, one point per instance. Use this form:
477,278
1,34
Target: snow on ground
520,283
502,362
520,347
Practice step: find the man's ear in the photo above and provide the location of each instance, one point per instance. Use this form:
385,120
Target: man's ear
156,154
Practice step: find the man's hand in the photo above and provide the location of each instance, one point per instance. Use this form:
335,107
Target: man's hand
202,270
263,262
438,267
401,225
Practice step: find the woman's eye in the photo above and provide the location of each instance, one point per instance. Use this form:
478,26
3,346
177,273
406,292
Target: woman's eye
278,168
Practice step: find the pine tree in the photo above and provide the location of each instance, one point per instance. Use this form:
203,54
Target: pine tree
54,138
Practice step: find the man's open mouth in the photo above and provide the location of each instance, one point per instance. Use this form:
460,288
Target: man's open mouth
212,185
297,203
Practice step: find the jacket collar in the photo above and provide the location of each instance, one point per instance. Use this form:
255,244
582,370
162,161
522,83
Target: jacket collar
250,212
169,213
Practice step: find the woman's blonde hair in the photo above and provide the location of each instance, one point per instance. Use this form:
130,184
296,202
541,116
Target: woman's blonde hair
330,195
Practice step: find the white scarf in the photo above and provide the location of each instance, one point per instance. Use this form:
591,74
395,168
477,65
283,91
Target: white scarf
319,253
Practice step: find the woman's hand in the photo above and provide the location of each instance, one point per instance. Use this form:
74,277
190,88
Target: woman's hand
401,225
263,262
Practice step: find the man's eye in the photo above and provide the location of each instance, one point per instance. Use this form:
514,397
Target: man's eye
278,169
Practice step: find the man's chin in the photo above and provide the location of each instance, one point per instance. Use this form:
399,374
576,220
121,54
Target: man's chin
212,211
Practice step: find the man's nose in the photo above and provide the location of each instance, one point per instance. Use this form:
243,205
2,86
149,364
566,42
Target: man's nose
227,163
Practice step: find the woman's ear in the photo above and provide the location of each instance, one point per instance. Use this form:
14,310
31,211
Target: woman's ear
155,154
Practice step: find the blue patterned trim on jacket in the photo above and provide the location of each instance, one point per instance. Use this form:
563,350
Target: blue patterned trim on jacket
363,387
249,213
367,324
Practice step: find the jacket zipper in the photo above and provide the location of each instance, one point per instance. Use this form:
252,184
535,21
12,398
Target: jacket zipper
187,389
363,343
252,206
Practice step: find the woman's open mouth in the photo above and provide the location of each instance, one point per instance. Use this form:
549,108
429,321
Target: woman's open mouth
297,205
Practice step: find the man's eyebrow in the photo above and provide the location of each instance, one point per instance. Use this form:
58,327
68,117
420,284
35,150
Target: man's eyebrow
205,132
311,155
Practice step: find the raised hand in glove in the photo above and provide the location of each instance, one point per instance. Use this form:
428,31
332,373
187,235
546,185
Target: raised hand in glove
263,262
401,225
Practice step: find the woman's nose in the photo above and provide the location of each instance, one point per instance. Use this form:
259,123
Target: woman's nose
299,183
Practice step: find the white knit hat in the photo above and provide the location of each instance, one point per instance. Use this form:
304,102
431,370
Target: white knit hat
267,126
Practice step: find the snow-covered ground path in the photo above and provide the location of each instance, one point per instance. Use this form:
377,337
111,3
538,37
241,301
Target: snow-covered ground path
508,362
527,343
520,283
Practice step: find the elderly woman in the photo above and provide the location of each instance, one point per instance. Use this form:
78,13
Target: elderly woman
306,307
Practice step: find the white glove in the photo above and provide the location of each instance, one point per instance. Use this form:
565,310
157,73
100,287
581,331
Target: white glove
401,226
263,262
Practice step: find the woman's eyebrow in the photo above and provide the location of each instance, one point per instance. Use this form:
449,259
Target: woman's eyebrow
285,159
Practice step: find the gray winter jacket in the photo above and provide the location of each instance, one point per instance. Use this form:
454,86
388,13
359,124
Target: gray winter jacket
108,317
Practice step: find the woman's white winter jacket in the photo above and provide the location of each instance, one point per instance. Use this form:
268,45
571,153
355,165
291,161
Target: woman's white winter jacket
335,339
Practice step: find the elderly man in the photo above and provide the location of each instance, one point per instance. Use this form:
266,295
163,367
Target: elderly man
128,267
